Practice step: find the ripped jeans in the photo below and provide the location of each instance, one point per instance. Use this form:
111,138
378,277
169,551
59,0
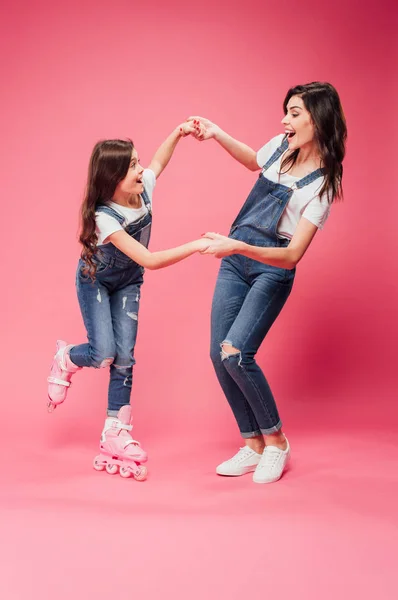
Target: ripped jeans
248,298
109,307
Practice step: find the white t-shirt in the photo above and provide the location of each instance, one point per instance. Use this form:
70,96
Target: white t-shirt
106,225
304,202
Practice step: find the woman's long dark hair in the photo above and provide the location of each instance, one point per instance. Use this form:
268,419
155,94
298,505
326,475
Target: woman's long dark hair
323,103
109,163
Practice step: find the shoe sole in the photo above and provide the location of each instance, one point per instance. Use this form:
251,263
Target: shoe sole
244,471
267,481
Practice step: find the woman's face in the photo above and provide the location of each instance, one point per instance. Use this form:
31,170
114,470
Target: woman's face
132,183
298,124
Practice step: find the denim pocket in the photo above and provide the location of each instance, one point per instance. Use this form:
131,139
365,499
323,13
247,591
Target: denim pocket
102,267
267,211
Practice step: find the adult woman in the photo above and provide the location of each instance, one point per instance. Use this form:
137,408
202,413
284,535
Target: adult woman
301,177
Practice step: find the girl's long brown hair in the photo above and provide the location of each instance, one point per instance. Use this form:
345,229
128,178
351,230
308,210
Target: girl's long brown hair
323,103
109,163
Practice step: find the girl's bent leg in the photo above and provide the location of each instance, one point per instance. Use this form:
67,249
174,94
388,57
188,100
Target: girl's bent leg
95,307
100,350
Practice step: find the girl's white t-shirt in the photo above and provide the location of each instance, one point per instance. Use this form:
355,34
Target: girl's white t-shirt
106,225
304,202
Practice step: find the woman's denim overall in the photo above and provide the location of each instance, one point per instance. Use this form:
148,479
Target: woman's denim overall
109,307
249,295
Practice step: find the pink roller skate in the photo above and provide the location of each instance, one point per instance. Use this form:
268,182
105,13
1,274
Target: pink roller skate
61,373
119,452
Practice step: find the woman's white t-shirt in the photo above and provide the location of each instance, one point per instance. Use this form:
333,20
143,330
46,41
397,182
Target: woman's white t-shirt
304,202
106,225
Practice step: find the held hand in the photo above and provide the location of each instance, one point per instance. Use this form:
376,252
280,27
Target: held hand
193,128
202,244
208,129
219,245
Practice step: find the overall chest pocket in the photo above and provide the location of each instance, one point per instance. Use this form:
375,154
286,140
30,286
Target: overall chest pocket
268,211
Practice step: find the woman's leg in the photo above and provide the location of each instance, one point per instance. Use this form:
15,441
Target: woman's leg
258,312
261,307
229,296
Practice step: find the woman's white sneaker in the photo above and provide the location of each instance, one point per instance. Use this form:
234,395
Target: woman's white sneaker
272,464
244,461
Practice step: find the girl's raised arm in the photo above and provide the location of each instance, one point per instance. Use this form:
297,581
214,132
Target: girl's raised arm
165,151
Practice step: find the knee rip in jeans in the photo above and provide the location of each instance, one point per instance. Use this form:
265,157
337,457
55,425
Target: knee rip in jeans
228,350
106,363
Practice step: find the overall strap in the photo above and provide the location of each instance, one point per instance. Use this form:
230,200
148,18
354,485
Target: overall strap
278,152
147,201
302,182
103,208
310,178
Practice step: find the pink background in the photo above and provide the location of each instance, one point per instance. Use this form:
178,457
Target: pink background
77,72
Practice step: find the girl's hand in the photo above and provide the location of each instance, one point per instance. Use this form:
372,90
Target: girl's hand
193,128
219,245
202,244
208,129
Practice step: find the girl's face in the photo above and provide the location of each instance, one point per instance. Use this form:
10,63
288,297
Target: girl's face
298,124
132,183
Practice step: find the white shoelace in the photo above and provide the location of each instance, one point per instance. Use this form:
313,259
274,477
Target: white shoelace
243,453
271,458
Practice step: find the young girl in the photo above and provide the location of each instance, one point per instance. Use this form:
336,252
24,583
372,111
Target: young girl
301,176
116,224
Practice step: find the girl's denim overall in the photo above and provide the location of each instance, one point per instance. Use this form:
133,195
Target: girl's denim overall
249,295
109,307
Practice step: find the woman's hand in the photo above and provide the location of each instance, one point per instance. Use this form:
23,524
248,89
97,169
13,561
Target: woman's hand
202,244
220,245
193,128
165,151
208,129
238,150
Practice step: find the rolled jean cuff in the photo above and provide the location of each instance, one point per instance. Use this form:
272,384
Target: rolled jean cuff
272,430
250,434
112,413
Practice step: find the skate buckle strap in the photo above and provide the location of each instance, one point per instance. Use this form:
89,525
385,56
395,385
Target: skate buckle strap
58,381
118,425
131,442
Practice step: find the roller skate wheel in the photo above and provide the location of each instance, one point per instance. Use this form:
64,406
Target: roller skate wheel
97,465
142,474
111,469
124,472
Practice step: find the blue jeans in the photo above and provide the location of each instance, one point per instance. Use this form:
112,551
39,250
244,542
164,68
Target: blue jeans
248,298
109,307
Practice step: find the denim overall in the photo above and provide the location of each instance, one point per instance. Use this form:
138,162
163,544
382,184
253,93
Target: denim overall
249,296
109,307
